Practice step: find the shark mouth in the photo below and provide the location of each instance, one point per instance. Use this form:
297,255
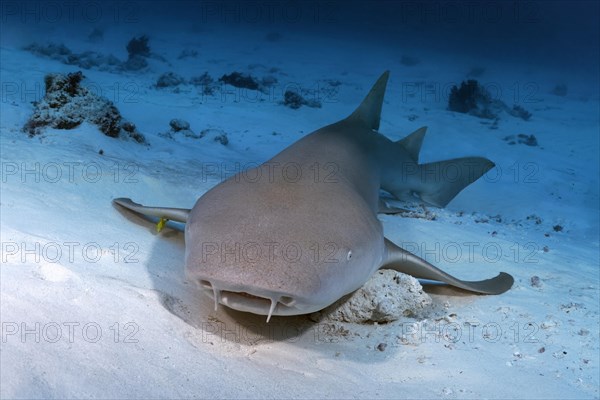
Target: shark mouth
238,299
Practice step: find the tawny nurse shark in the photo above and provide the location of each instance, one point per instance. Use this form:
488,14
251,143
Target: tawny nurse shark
300,231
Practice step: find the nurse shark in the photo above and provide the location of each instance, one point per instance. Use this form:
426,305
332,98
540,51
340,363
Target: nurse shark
303,231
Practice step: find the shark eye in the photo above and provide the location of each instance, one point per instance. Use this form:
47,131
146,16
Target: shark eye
349,255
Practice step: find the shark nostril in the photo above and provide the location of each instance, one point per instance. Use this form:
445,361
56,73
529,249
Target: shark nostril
205,284
287,301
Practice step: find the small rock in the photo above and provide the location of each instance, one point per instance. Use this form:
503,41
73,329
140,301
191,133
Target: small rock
205,82
548,324
536,281
128,127
138,47
520,112
537,220
386,297
222,138
381,346
557,228
240,80
530,140
294,100
179,125
211,132
169,79
559,354
583,332
471,98
521,138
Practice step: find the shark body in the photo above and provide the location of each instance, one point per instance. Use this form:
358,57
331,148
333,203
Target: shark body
300,231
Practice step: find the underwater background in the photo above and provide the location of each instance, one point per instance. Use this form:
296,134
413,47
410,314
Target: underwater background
160,101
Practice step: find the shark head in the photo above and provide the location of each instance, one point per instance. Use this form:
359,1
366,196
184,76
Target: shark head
261,247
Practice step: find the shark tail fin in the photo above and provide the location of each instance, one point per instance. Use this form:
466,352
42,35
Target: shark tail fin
443,180
369,111
173,214
435,183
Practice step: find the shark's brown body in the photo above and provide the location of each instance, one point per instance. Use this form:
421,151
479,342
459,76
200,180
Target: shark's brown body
300,231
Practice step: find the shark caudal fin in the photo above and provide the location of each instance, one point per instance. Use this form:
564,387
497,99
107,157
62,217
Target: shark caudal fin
369,111
435,183
441,181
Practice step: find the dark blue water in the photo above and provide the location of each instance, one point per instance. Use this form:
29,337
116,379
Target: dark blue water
564,34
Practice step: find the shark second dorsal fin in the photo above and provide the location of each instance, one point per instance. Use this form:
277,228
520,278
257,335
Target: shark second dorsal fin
369,111
412,143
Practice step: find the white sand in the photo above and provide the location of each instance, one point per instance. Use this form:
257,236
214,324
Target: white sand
95,304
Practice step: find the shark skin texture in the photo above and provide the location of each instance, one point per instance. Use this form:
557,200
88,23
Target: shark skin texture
294,243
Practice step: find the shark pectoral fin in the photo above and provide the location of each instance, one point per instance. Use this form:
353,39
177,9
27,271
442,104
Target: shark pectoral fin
173,214
404,261
441,181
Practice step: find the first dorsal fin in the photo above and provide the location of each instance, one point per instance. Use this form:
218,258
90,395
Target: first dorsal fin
369,111
412,143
